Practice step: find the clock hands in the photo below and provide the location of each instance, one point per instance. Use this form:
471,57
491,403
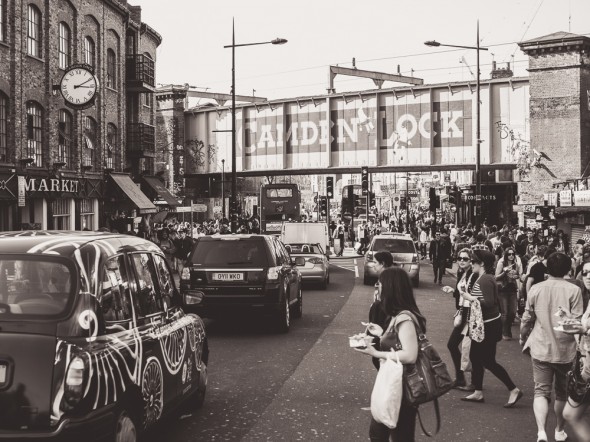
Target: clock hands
81,84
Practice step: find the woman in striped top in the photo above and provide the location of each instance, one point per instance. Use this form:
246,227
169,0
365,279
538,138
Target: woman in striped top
483,354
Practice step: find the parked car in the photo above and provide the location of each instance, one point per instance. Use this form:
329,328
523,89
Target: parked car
94,343
402,248
238,272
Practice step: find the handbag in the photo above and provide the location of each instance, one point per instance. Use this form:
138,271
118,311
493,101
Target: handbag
458,318
577,388
428,378
386,398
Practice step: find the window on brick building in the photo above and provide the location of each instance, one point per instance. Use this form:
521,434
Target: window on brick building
111,69
34,32
35,133
89,52
65,137
90,142
112,147
65,43
3,126
2,20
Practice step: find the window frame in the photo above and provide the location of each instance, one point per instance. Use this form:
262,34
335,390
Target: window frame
34,31
89,51
2,20
111,146
126,284
90,139
64,45
35,132
136,287
111,80
65,137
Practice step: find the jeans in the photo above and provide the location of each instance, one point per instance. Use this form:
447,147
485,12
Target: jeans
455,341
438,267
483,355
404,432
508,305
423,249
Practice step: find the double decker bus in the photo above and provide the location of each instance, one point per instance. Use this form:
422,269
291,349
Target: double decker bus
278,203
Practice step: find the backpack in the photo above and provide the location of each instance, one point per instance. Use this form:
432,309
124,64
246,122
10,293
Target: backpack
428,378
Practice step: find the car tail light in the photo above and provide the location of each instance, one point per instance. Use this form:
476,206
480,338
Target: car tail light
415,257
76,380
186,274
273,273
315,260
369,256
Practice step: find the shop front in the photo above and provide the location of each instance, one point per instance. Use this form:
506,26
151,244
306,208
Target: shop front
58,202
8,201
126,206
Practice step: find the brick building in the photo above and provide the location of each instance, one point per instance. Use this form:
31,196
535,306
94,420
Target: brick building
61,167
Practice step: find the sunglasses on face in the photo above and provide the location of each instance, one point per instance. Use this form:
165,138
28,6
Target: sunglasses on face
463,258
510,254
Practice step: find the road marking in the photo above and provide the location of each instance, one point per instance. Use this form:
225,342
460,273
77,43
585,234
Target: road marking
356,271
346,265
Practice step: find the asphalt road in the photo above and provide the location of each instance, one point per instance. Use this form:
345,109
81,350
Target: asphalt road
309,385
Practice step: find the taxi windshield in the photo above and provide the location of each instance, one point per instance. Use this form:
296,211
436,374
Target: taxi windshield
33,287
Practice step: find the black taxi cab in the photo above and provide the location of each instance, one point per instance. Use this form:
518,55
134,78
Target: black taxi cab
94,343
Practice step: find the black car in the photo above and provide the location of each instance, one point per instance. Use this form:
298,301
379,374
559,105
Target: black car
235,272
94,343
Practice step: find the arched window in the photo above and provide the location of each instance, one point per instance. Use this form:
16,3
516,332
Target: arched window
89,52
64,45
90,142
2,20
64,145
34,32
35,133
3,126
111,69
111,156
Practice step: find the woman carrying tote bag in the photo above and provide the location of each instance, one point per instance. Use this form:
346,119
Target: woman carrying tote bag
396,296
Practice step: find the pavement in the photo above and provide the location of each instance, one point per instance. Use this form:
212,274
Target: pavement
327,397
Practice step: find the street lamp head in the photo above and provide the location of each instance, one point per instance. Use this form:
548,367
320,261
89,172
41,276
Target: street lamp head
279,41
432,43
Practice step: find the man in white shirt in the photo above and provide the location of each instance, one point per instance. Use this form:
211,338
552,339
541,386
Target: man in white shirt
361,237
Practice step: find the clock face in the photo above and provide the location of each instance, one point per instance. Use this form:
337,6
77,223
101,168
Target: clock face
79,86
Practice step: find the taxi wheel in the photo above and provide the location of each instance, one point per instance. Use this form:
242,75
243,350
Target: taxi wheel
298,308
125,430
198,398
284,318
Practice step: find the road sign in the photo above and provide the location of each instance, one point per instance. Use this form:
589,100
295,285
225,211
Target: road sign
396,200
199,207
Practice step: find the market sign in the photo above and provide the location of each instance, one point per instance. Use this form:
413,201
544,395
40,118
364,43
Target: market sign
52,185
582,198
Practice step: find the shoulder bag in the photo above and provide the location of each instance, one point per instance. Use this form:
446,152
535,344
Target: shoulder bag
428,378
577,388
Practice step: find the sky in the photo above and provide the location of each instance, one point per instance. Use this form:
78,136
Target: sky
379,34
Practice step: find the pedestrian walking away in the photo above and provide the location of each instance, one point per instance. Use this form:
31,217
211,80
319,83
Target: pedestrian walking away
508,271
483,354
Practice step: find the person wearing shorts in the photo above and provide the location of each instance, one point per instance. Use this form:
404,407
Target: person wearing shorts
552,351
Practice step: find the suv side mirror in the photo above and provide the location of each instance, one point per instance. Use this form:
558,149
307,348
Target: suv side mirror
299,261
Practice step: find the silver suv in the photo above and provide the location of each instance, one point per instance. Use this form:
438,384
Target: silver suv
402,248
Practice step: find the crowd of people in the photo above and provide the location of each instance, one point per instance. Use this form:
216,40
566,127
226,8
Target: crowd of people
506,277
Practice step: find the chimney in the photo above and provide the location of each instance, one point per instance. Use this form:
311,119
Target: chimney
501,72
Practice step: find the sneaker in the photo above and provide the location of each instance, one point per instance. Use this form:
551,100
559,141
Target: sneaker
560,436
542,437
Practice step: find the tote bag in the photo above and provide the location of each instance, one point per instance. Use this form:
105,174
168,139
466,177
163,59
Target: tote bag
386,398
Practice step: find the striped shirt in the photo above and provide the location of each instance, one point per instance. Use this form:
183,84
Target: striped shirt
486,291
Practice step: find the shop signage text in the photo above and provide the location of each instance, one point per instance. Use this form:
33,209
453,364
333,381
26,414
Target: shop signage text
52,185
582,198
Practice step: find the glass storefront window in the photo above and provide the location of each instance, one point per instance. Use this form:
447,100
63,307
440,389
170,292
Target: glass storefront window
86,214
61,214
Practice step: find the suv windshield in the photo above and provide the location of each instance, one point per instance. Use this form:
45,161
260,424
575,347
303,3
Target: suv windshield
231,253
34,287
394,245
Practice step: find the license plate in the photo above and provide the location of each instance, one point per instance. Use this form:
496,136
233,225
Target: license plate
228,276
2,373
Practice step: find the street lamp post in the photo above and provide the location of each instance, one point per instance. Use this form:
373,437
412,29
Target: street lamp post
222,188
233,200
478,197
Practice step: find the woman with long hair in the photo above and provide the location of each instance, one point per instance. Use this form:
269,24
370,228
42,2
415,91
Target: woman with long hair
483,354
465,280
398,303
508,272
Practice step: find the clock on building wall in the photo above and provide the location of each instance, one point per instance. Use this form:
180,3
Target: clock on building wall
79,86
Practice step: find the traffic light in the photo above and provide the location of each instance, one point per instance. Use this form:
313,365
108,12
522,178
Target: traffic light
365,180
330,187
323,205
372,200
432,199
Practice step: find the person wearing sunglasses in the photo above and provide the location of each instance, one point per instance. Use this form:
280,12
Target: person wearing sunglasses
552,351
508,271
465,280
483,354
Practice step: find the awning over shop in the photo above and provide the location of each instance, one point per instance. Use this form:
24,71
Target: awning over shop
156,188
160,217
133,193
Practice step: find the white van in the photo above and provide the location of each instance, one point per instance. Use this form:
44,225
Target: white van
311,233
